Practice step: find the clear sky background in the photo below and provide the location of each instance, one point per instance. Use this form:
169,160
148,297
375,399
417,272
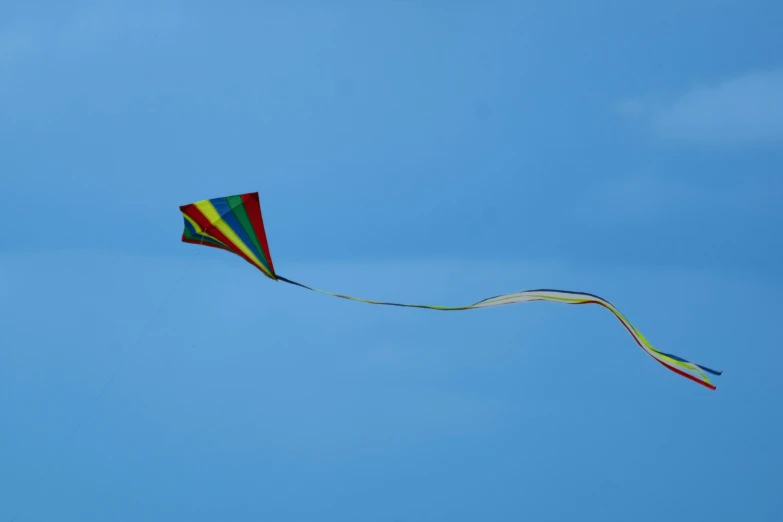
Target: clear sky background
436,152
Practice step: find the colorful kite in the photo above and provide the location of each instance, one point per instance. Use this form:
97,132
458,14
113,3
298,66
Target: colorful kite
234,223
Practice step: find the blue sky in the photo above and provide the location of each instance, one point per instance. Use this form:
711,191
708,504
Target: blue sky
418,151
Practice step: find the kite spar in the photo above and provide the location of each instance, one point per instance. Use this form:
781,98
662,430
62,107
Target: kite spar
235,224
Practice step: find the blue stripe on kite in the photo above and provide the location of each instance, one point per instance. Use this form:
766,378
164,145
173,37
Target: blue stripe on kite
708,370
549,290
676,358
221,205
190,227
571,293
713,372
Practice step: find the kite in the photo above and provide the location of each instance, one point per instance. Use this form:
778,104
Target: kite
235,224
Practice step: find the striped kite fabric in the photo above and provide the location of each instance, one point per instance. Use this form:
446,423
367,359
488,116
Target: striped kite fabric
235,224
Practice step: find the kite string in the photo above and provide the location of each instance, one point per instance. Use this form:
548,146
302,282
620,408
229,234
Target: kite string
103,391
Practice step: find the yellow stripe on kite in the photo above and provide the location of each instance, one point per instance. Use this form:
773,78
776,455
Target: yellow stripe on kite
210,212
201,231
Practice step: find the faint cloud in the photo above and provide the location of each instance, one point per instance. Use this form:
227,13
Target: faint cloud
631,107
87,29
17,41
744,109
100,23
644,195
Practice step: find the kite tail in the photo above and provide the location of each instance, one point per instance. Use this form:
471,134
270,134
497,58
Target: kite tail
678,365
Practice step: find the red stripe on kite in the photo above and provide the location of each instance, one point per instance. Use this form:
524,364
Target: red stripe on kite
195,214
253,208
672,368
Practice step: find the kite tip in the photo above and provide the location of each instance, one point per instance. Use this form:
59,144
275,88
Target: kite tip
710,370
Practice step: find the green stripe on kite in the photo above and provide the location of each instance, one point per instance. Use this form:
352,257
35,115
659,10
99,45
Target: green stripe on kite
239,210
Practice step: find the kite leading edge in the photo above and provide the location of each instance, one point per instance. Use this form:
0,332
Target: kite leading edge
235,224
